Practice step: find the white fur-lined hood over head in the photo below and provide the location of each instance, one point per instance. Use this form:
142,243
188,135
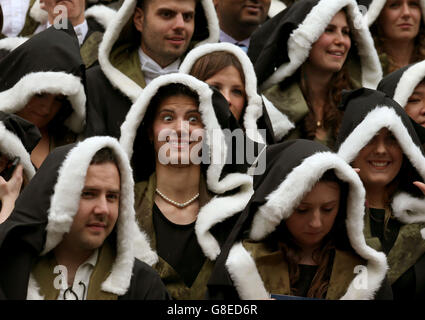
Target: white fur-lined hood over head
72,162
27,71
220,207
122,20
254,106
366,113
302,24
295,167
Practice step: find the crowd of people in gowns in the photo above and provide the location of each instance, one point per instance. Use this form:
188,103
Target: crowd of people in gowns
212,150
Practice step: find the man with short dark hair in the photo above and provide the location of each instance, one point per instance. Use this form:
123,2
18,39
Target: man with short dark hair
73,233
239,18
147,39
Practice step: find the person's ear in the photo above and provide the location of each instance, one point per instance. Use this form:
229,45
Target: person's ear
138,17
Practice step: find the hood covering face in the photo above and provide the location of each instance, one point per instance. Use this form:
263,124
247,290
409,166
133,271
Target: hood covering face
293,168
51,200
283,43
374,8
368,111
401,83
18,138
121,31
28,71
220,177
254,106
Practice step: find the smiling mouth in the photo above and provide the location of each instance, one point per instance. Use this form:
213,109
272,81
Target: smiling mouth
379,165
337,53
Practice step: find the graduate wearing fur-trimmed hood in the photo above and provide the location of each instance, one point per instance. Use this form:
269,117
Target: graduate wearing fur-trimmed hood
191,185
140,44
227,67
379,138
80,201
301,233
306,55
46,90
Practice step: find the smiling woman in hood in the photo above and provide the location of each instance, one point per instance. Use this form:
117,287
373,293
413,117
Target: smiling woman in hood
378,137
187,208
47,90
119,79
301,233
44,215
306,55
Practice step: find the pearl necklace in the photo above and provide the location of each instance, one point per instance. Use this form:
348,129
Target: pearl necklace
175,203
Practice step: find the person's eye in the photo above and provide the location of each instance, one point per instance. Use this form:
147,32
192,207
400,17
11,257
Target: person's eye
167,118
329,29
187,17
328,209
166,14
414,4
301,210
238,92
112,197
194,119
87,194
413,100
346,32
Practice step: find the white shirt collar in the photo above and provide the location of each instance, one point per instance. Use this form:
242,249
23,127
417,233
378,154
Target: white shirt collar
151,69
81,31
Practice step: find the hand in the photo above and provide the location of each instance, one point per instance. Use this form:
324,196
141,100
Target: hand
420,185
9,192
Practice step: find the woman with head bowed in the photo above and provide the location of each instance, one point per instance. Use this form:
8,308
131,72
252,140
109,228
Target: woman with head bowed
379,139
397,28
189,187
306,55
300,236
227,68
47,90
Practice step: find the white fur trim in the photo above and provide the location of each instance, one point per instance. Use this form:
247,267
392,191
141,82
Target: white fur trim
280,122
408,209
217,210
65,203
276,7
33,292
118,79
17,97
375,120
12,146
423,233
376,7
301,40
101,14
254,108
244,274
11,44
38,14
281,203
408,82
